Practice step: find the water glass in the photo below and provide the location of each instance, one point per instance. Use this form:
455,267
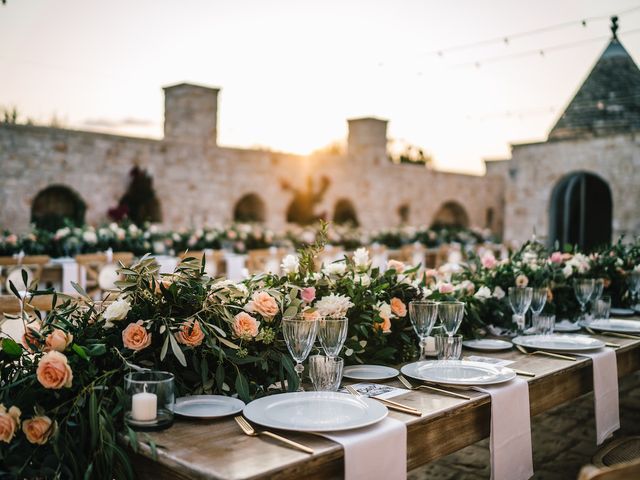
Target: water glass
449,347
451,314
299,335
423,315
520,300
634,286
544,324
325,372
598,288
332,333
538,301
150,400
602,307
583,289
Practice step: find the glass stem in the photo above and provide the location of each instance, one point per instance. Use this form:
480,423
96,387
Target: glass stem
423,349
299,368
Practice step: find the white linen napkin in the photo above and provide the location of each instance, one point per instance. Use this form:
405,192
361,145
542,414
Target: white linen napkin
375,452
605,392
510,443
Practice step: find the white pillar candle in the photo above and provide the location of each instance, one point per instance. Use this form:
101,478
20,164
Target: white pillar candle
143,406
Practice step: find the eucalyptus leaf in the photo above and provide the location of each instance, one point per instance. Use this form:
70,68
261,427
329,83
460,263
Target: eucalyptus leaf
177,351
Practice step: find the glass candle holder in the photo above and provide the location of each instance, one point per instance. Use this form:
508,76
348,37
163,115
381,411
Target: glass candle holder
150,399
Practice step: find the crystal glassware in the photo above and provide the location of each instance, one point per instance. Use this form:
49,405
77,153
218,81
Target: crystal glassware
299,335
450,314
634,287
332,333
150,400
449,347
520,300
602,307
544,324
423,315
583,289
538,301
325,372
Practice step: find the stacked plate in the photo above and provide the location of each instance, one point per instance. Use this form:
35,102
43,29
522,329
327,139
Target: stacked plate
559,343
614,325
458,372
207,406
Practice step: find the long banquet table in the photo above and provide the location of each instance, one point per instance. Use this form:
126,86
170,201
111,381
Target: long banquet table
217,449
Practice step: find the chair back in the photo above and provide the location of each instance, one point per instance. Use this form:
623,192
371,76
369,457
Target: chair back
11,266
97,271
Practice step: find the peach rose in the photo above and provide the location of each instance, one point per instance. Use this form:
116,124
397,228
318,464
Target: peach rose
30,339
262,303
398,307
38,429
308,294
54,371
135,336
395,265
190,334
245,326
385,325
522,281
9,423
431,272
310,314
58,340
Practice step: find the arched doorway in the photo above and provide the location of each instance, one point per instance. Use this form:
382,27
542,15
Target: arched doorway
250,208
56,205
581,211
345,213
451,214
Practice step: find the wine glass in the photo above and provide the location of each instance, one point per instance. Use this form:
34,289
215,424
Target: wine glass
538,301
332,333
299,334
451,314
520,300
583,289
423,315
634,287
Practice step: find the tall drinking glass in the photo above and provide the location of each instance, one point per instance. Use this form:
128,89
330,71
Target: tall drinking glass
451,314
332,333
538,301
423,315
299,335
583,289
520,300
634,287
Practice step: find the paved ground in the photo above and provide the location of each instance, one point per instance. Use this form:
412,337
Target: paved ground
563,441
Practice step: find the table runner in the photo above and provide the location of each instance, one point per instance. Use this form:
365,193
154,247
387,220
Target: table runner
510,441
375,452
605,392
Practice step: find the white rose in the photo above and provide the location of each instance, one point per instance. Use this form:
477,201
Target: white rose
133,229
636,268
363,279
333,305
290,264
567,271
361,258
384,310
335,269
498,293
483,293
117,310
426,293
90,237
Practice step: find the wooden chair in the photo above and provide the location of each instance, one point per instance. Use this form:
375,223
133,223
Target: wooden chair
431,258
10,305
33,264
266,260
92,265
617,460
622,471
215,264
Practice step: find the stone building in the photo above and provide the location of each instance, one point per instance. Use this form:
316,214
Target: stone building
582,185
198,182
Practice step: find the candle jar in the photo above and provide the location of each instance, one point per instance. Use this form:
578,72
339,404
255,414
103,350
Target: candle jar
150,400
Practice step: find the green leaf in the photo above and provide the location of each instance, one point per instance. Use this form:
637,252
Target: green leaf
80,290
177,351
97,349
94,420
11,348
228,343
133,439
88,472
220,376
242,387
80,351
165,346
290,312
13,288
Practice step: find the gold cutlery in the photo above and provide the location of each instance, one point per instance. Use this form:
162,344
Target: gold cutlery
621,335
523,373
388,403
249,430
548,354
408,385
608,344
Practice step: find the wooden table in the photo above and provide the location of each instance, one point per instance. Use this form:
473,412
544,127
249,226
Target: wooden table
219,450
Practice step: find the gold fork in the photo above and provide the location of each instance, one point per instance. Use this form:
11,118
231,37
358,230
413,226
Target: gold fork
249,430
390,404
542,352
608,344
408,385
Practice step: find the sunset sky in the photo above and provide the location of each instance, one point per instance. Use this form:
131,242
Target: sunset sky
292,71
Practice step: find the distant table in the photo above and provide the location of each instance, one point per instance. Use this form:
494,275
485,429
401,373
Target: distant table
219,450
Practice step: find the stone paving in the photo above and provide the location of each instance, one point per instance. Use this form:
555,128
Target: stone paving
563,441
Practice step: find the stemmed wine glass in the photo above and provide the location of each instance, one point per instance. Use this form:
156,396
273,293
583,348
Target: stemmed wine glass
538,301
634,287
332,333
583,288
300,335
451,314
423,315
520,300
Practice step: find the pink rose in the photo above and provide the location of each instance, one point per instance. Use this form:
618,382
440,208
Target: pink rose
445,288
308,294
135,337
54,371
398,307
190,334
431,272
245,326
489,260
556,257
9,423
58,340
395,265
264,304
38,429
12,239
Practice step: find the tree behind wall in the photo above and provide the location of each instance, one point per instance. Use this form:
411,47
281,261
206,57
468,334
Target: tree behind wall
139,201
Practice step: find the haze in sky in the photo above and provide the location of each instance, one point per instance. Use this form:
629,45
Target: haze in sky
292,71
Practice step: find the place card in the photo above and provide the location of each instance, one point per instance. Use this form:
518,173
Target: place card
377,390
499,362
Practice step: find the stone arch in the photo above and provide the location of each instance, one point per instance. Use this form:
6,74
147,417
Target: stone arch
451,214
250,208
56,205
581,211
344,212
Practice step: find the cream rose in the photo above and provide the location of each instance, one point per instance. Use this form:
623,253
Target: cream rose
245,326
54,371
190,334
58,340
264,304
135,336
38,429
396,265
117,310
9,423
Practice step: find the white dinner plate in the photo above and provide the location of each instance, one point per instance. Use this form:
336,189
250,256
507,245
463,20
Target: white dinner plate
315,411
487,344
559,343
566,326
622,312
615,325
458,372
207,406
369,372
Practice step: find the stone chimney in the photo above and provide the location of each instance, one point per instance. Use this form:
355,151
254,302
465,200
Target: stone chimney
366,134
191,113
